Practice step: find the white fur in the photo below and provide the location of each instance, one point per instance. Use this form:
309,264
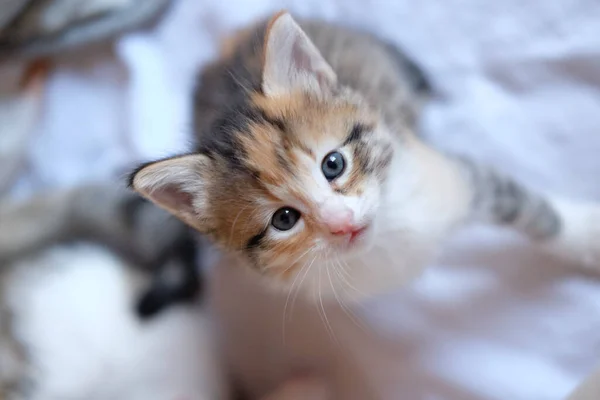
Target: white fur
415,214
75,316
579,239
423,200
327,204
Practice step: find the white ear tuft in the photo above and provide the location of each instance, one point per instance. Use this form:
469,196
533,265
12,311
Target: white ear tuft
177,185
292,62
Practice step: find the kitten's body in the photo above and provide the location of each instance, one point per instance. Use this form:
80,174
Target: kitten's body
427,194
389,81
280,101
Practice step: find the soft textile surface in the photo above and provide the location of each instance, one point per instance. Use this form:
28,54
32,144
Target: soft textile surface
589,389
517,86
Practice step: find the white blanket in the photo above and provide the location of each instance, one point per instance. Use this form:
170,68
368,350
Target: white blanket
518,86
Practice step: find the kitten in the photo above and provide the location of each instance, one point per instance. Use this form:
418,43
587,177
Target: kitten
112,216
106,215
308,170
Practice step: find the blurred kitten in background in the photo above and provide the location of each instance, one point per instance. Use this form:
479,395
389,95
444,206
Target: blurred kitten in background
156,252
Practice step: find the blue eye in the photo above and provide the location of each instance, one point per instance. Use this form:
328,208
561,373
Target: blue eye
285,218
333,165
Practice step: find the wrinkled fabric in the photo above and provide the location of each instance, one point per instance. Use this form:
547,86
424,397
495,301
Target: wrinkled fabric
50,16
45,28
589,389
10,9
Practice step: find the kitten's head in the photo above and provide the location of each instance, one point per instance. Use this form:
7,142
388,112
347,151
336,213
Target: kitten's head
292,176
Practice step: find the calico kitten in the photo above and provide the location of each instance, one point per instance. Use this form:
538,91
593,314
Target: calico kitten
308,169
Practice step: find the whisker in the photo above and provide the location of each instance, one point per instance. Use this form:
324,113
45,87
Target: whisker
345,275
275,265
235,222
248,227
349,312
287,300
296,260
338,299
238,81
324,318
300,284
292,288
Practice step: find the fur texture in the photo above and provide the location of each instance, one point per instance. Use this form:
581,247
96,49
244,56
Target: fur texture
90,289
285,103
108,215
81,340
144,236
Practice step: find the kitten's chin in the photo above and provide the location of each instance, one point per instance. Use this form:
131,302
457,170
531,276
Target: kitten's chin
357,244
372,268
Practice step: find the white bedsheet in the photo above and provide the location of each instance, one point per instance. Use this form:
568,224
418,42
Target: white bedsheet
519,87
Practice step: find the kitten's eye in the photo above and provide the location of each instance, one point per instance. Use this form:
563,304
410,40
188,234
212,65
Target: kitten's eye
333,165
285,218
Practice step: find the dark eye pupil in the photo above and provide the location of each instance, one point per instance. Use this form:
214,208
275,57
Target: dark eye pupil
333,165
285,218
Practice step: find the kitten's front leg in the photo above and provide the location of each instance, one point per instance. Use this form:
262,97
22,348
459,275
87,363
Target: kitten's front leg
568,229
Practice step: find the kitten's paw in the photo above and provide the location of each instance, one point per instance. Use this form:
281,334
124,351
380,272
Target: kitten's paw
301,388
579,237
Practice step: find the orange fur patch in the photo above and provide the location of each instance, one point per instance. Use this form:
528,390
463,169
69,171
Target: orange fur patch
270,150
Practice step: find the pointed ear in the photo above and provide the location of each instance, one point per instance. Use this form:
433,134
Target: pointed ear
177,185
292,62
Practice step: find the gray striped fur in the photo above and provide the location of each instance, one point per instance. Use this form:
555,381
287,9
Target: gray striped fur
502,200
103,213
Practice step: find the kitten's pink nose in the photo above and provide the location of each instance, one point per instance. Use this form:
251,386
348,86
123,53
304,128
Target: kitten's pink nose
340,222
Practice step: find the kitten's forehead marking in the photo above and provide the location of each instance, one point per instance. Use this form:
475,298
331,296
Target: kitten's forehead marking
291,127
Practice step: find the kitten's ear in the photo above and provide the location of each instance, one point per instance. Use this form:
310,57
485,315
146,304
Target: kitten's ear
177,185
292,62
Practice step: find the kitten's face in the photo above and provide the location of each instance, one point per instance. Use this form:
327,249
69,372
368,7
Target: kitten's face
292,177
305,183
